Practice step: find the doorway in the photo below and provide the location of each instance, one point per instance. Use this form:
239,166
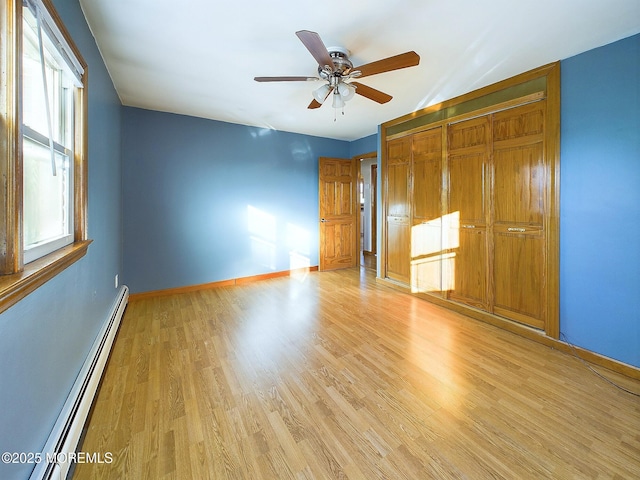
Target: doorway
368,194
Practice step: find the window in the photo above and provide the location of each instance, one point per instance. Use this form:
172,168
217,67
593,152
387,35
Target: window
43,148
47,147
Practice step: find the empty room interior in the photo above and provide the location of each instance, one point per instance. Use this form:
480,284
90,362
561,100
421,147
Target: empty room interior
356,240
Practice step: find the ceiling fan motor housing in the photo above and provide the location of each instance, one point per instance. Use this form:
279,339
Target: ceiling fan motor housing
341,62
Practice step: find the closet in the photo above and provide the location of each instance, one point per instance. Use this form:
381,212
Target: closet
470,203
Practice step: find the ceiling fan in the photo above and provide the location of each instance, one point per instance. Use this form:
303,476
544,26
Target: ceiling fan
337,70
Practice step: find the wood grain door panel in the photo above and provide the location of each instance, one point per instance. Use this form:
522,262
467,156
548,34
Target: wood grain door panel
519,238
426,257
467,188
519,275
338,218
398,251
427,176
468,206
398,178
467,268
398,226
426,212
519,179
338,245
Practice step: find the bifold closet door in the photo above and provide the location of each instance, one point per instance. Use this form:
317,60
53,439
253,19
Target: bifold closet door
519,209
426,210
466,231
398,210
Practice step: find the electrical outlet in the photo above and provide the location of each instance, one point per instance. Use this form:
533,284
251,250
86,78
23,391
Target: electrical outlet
116,280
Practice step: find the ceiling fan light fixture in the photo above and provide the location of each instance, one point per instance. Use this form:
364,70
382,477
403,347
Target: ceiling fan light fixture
347,91
320,94
338,101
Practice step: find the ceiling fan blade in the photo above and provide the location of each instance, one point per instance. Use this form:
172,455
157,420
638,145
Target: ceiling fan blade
285,79
371,93
404,60
316,47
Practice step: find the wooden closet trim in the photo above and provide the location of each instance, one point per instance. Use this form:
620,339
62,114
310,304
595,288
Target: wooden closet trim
552,147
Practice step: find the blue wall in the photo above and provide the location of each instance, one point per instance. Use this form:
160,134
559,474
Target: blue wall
364,145
209,201
600,200
45,338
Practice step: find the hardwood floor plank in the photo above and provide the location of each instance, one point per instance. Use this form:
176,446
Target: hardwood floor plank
333,376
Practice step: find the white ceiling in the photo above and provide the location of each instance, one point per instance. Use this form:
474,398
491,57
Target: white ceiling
199,57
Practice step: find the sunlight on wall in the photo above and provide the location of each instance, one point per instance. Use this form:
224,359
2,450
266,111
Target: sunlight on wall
262,231
298,243
298,239
266,243
432,258
262,132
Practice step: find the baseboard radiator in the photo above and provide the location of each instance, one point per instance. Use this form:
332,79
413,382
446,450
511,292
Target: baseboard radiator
63,440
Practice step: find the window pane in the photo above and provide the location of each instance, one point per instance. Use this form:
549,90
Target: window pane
46,198
59,85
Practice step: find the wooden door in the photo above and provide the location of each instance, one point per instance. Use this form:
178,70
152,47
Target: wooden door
467,216
398,210
519,210
338,201
426,209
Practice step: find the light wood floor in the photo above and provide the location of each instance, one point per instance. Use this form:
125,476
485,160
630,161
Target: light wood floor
332,376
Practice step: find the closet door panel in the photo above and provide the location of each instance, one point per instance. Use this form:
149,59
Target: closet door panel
426,258
519,271
519,243
426,209
519,185
466,219
467,188
398,162
427,175
467,273
398,255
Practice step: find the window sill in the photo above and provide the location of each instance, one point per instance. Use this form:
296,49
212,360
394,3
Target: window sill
15,287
